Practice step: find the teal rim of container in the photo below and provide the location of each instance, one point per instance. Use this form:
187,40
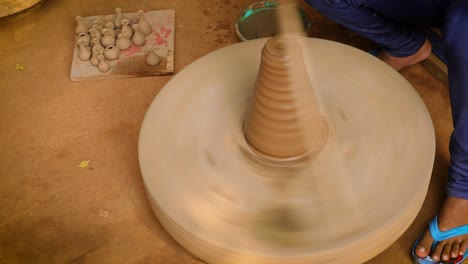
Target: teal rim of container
262,6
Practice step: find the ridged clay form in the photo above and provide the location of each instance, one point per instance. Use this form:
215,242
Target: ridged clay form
138,37
284,120
143,24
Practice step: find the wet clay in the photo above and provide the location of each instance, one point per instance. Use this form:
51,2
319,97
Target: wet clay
284,120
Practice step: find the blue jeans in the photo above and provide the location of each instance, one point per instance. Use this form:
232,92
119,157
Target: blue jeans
399,26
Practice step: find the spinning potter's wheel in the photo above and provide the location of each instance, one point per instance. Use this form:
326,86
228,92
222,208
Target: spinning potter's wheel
243,165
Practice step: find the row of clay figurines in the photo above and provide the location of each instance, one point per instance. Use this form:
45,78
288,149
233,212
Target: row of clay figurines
104,40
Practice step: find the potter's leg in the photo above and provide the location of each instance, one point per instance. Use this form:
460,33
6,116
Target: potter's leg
402,43
455,209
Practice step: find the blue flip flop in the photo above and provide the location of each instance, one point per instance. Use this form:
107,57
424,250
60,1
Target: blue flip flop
440,236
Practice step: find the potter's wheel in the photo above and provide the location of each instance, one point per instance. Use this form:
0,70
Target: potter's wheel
12,7
345,205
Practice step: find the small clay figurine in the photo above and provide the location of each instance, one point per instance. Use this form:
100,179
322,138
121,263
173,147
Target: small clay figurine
84,54
95,33
152,58
138,37
94,58
127,30
118,18
122,42
111,52
107,38
143,24
109,18
97,44
83,37
97,23
110,26
103,65
81,27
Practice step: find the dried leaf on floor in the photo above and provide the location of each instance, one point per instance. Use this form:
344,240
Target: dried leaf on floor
84,163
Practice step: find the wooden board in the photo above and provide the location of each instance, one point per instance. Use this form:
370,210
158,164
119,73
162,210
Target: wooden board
132,62
434,64
437,68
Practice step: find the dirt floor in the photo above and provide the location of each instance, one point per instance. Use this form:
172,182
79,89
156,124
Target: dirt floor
52,210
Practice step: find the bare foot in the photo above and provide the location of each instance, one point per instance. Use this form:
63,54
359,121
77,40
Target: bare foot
454,213
398,63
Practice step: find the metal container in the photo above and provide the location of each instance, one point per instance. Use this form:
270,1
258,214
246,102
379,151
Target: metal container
259,20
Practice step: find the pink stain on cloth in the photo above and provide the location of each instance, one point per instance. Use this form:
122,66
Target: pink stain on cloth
132,51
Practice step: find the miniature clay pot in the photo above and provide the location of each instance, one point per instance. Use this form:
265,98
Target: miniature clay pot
118,18
94,58
143,24
97,23
138,37
110,26
122,42
107,38
152,58
95,33
111,52
83,37
109,18
127,30
81,27
103,65
84,53
97,43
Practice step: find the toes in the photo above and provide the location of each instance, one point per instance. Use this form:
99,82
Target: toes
446,252
437,251
463,248
424,246
455,249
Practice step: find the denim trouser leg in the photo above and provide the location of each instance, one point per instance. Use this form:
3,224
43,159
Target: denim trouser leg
388,22
398,39
455,35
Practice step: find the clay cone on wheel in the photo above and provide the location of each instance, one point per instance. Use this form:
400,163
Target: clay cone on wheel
284,120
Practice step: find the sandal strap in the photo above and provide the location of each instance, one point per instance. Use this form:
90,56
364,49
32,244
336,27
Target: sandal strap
444,235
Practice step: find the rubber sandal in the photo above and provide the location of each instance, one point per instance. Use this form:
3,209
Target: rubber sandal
438,235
